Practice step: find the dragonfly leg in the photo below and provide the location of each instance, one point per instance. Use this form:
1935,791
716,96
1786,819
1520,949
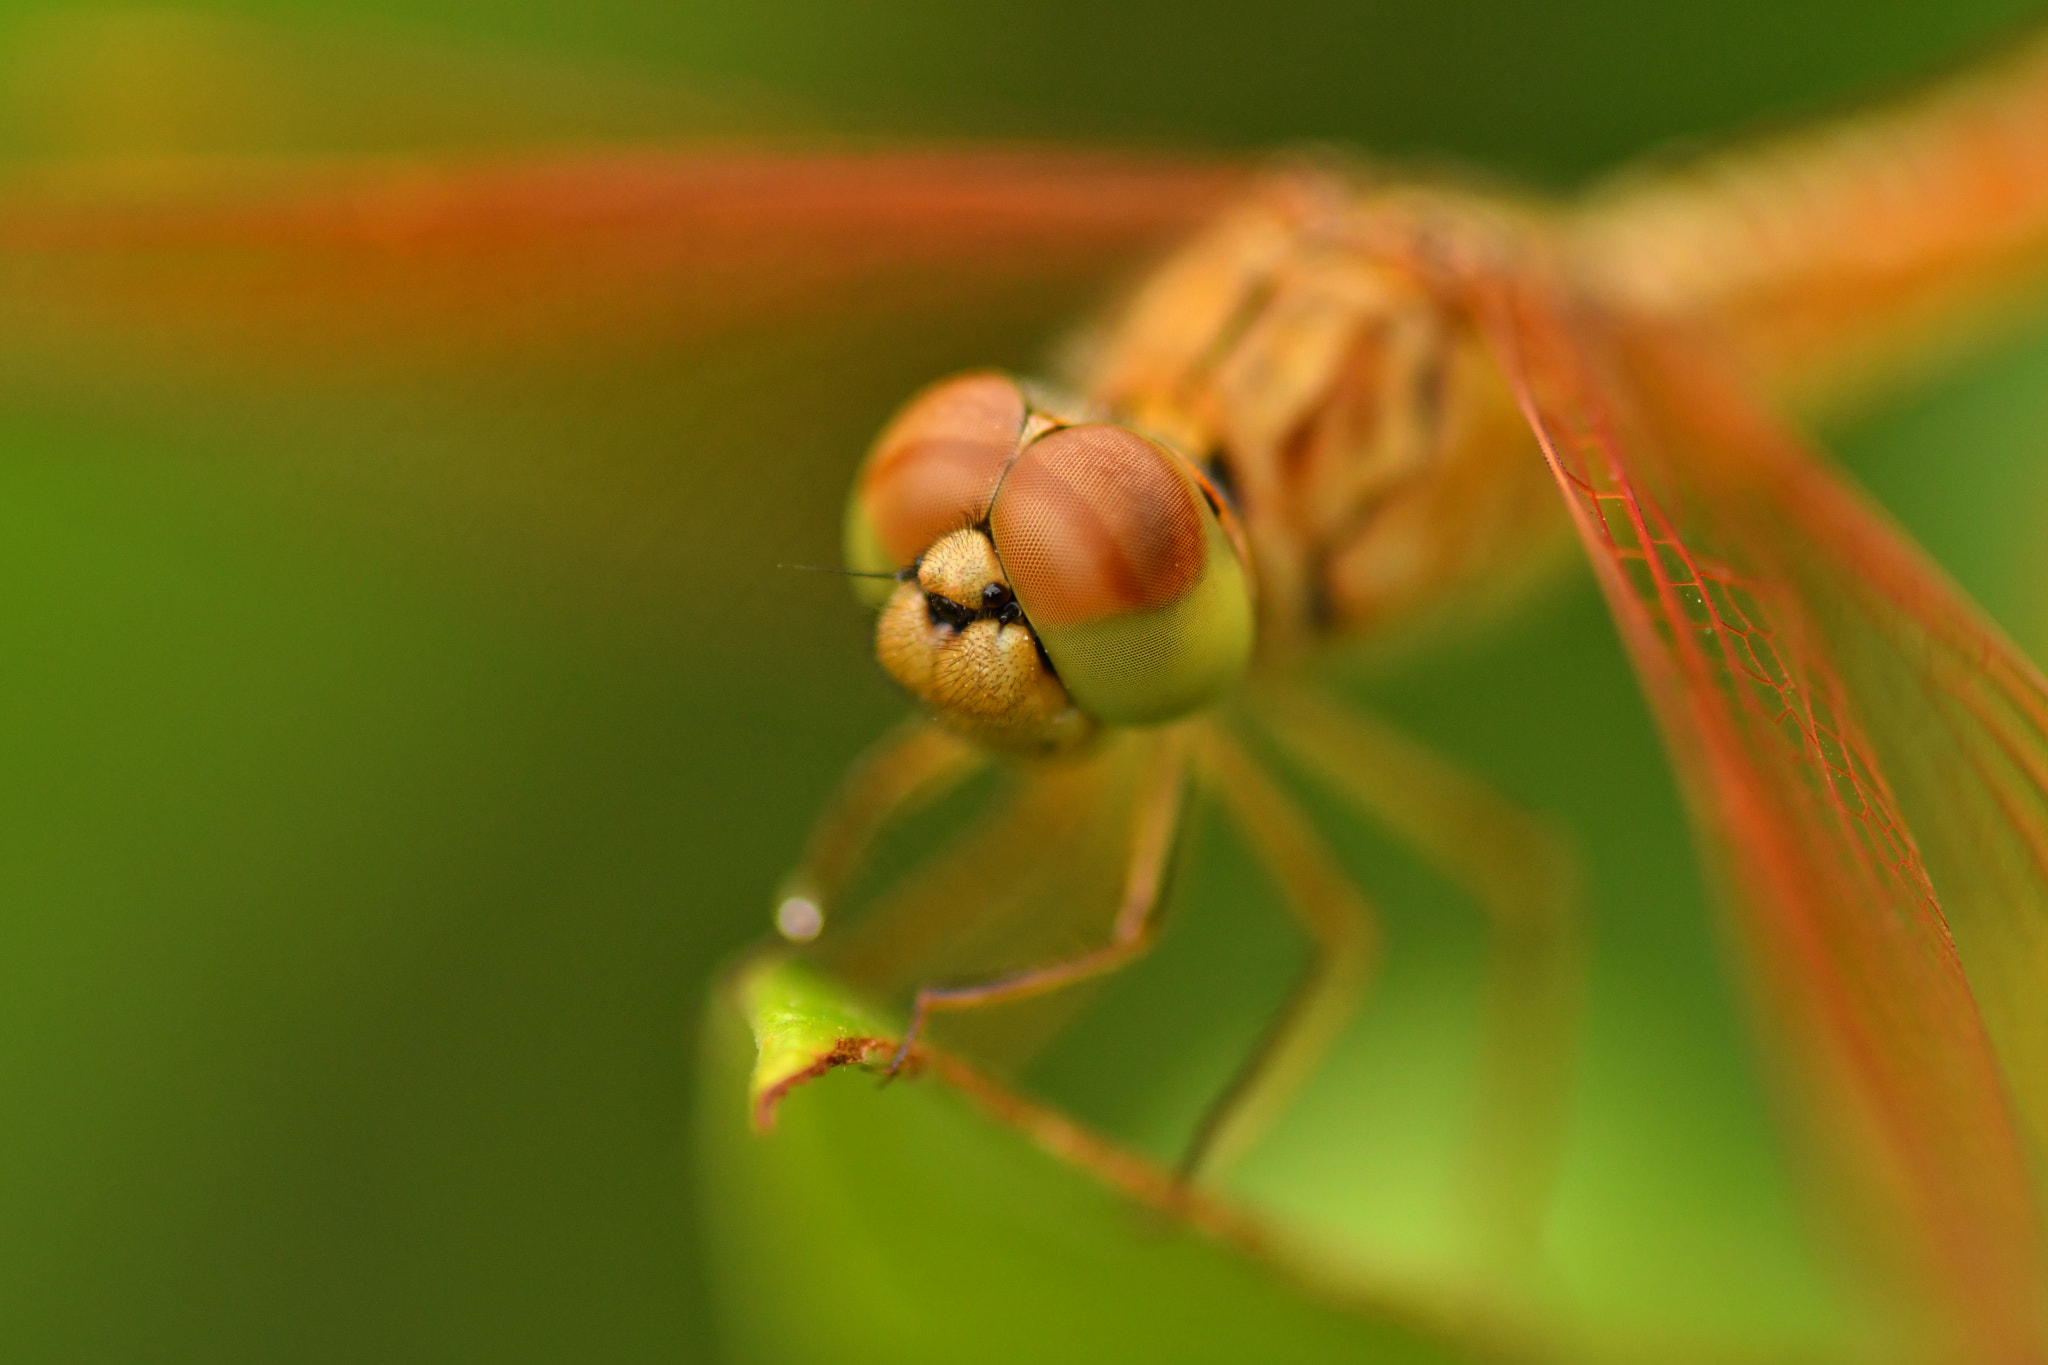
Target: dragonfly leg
1154,827
1341,926
911,765
1521,873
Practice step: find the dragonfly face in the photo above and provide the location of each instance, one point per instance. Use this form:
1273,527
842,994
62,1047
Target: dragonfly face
1054,575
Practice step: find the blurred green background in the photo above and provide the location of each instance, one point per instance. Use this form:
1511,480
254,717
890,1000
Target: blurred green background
392,752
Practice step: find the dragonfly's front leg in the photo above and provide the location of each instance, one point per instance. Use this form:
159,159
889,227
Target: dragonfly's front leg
1345,940
911,765
1154,827
1521,873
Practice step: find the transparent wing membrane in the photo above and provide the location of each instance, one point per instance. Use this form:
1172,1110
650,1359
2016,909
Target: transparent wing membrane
1862,754
320,187
327,258
1840,255
1960,715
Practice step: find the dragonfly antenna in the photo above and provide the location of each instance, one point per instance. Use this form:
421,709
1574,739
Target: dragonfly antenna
850,573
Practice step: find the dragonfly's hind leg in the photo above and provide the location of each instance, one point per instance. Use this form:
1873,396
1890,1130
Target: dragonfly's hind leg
911,765
1155,826
1346,942
1521,873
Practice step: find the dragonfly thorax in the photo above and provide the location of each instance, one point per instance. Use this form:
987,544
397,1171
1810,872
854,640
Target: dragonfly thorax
1316,344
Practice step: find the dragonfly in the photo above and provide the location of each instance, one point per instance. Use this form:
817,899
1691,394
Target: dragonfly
1348,405
1354,401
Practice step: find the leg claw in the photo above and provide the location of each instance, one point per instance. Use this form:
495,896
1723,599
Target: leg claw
896,1063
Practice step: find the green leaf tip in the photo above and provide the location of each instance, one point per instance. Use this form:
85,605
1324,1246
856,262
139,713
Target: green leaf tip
804,1026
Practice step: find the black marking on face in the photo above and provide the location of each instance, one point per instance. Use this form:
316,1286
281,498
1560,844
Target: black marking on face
1222,478
997,604
944,611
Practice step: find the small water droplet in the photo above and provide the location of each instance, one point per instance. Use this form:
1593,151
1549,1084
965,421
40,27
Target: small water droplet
799,919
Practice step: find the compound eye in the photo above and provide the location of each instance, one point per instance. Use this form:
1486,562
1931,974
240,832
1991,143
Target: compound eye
932,471
1125,573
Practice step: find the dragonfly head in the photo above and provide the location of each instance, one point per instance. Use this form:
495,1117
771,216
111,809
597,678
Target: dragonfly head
1052,576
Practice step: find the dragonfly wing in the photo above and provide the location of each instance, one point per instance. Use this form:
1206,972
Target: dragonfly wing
485,252
171,193
1866,760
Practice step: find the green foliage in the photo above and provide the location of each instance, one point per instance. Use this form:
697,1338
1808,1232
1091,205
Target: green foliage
906,1225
